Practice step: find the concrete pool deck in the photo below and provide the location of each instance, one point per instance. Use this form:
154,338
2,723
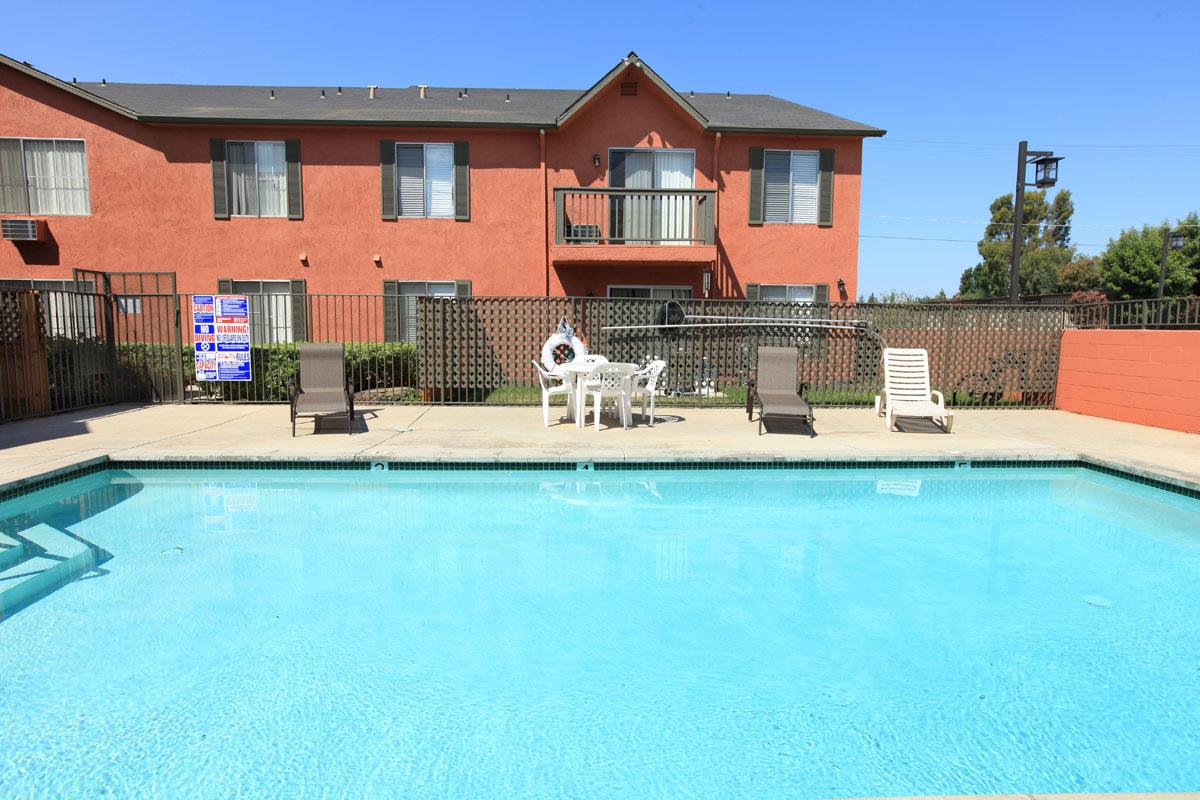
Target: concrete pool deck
31,448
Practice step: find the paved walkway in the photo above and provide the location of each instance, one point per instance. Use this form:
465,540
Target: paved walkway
448,433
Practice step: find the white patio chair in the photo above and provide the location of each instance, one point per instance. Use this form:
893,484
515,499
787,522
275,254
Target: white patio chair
610,382
645,385
906,390
554,385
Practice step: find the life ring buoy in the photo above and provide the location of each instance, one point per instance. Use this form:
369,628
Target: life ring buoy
560,349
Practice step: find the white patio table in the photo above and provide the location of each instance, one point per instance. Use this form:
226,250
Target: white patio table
575,371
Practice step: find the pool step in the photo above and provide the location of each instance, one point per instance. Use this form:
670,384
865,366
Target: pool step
39,560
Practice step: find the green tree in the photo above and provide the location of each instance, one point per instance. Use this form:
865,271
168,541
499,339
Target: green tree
1081,275
1045,247
1132,263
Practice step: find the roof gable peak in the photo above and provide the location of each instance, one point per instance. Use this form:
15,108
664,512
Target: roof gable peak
635,61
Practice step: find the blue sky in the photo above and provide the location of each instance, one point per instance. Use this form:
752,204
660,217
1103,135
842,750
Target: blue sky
1111,86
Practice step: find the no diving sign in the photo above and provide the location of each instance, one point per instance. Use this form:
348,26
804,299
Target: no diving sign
221,332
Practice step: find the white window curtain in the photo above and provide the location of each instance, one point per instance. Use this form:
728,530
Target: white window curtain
56,176
674,171
243,186
257,179
439,179
790,186
805,169
270,305
272,179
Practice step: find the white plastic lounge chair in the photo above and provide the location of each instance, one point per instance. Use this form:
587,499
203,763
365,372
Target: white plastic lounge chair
906,391
645,385
554,385
610,382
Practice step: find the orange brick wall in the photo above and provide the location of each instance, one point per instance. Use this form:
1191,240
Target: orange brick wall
1146,377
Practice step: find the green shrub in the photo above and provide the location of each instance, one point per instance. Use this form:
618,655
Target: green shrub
371,366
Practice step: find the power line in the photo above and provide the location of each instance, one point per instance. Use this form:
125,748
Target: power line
1114,146
1024,225
939,239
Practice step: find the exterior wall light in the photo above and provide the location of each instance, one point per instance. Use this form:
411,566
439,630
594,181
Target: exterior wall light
596,160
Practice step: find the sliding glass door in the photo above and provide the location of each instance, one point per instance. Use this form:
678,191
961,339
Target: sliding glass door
651,218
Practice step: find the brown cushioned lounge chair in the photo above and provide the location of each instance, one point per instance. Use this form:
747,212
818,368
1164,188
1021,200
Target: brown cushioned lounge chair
323,390
775,389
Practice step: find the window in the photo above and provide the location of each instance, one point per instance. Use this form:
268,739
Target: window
425,180
271,310
66,314
406,305
790,179
643,218
257,179
44,176
650,292
129,305
791,292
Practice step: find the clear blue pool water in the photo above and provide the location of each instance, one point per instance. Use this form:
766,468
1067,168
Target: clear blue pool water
656,634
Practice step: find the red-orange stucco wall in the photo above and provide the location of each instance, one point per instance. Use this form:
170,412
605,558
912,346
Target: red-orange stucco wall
1145,377
151,200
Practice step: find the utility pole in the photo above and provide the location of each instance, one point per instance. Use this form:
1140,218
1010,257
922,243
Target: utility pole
1018,231
1045,175
1162,275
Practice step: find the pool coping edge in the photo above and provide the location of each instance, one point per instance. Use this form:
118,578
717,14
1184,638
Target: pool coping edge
1174,483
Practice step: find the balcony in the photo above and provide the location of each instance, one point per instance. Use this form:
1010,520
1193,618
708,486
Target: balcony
606,224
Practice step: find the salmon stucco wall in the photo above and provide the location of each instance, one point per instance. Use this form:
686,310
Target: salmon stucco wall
151,205
1145,377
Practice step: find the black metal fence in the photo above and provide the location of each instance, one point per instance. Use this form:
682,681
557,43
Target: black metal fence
1172,312
61,350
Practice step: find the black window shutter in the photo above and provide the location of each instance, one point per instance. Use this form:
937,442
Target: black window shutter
216,152
299,311
387,177
462,288
295,195
825,192
225,286
756,186
821,295
462,180
752,292
391,311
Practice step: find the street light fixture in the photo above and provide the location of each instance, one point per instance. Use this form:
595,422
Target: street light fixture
1045,175
1045,171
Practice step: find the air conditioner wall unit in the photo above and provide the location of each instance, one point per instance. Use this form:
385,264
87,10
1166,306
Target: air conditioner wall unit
23,230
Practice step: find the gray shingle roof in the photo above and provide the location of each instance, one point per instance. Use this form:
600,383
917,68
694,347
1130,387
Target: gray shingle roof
442,106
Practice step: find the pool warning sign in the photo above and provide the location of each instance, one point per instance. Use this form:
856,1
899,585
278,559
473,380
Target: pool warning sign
221,332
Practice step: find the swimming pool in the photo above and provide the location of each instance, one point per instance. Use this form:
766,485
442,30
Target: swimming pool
634,633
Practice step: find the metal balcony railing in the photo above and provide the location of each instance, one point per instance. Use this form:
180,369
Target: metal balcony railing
634,216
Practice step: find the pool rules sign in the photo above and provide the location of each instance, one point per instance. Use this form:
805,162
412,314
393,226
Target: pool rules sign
221,331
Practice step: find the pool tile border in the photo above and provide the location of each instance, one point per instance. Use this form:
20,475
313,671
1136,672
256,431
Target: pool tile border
35,483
